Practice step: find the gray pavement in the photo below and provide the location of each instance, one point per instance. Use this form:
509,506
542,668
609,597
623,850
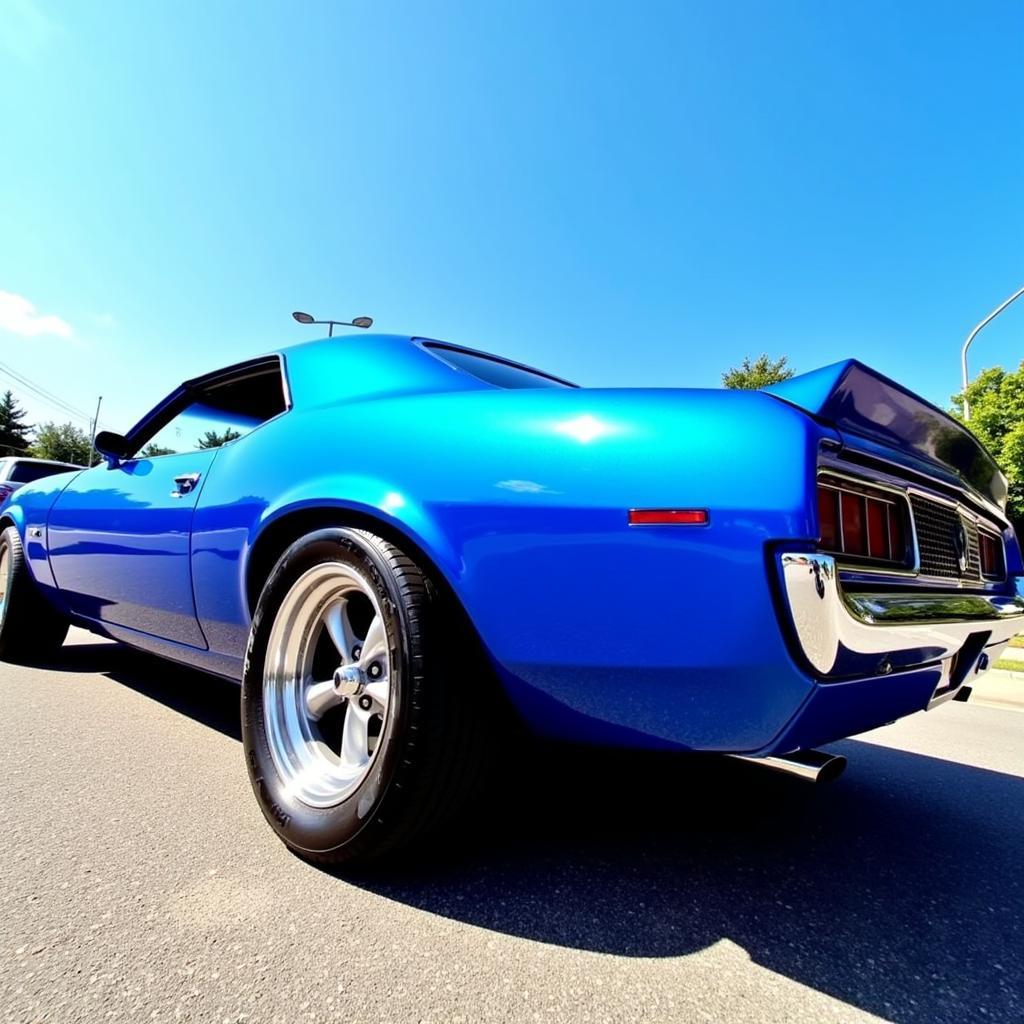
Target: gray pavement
139,882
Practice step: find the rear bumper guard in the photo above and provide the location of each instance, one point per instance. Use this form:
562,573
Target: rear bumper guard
845,636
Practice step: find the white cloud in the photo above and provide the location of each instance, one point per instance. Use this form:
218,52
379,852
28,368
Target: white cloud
19,316
524,487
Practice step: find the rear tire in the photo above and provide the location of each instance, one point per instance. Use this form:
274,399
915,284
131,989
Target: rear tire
353,753
30,629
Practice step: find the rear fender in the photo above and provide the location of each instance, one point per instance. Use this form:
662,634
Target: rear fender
370,497
230,542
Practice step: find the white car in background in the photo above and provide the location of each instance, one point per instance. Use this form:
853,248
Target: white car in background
16,471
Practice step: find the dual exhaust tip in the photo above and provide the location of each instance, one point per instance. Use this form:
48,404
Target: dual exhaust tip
809,765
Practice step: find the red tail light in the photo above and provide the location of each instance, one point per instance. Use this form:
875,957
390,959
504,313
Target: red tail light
5,492
862,522
990,553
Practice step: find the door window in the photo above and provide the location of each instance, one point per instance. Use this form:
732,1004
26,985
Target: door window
215,411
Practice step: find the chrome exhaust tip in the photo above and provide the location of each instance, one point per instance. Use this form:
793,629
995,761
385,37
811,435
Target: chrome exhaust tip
810,765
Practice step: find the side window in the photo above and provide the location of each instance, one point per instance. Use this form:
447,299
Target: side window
219,410
26,472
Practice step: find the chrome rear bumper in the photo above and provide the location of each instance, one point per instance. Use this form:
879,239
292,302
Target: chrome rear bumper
844,636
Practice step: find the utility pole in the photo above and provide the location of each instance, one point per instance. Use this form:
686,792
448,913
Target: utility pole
95,424
970,337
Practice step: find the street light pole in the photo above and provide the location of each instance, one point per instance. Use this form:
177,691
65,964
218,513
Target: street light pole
307,318
95,424
970,337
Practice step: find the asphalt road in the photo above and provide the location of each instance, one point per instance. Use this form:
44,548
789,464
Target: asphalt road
138,880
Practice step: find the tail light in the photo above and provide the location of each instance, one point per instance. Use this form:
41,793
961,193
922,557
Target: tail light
5,492
990,554
863,523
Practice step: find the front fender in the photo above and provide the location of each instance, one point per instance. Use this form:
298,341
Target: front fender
28,509
12,512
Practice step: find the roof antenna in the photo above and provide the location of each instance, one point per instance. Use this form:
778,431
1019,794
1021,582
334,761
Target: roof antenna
359,321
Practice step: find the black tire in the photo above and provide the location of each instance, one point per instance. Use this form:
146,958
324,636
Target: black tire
432,751
31,629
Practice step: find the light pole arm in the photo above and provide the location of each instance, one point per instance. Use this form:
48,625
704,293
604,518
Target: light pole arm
970,337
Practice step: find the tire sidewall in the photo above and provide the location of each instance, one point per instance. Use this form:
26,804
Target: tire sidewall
320,830
30,627
13,559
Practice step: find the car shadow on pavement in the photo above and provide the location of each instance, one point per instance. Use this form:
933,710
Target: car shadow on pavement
899,889
206,699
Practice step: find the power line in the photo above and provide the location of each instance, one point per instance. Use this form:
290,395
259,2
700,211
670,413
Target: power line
60,409
42,391
47,397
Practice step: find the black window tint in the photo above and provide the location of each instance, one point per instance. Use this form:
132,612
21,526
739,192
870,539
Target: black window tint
495,371
26,472
216,410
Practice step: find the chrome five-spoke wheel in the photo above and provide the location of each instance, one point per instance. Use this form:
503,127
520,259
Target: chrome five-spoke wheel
363,726
327,684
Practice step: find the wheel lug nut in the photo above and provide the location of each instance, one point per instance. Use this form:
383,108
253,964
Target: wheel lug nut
365,703
357,651
375,670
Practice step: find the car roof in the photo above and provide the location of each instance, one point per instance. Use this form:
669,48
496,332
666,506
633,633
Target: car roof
353,367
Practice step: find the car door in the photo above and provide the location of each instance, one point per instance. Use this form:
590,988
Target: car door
119,540
119,537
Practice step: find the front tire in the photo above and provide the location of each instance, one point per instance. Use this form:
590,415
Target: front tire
359,729
30,629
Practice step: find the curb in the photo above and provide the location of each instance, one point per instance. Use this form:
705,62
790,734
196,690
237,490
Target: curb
999,688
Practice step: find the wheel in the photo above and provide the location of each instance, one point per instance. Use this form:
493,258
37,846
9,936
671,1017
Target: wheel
30,629
360,729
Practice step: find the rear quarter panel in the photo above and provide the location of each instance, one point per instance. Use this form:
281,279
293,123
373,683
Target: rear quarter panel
599,630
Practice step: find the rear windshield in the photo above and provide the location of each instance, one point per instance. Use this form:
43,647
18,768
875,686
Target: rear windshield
492,370
26,472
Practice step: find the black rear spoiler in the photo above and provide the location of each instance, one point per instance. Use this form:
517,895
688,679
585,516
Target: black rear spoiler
865,405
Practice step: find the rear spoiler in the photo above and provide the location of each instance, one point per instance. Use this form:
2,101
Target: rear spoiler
864,404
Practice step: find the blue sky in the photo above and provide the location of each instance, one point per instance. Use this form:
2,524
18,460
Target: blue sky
624,194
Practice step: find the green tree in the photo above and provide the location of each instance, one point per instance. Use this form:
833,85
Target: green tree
14,431
752,376
62,442
211,439
996,397
151,450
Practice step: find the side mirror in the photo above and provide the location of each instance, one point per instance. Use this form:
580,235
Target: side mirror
110,445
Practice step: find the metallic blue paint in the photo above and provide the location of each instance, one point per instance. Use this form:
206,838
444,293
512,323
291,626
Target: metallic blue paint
117,538
656,636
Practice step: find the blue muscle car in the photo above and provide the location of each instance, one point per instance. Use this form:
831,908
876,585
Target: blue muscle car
399,545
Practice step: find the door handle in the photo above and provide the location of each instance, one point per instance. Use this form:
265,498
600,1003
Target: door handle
186,483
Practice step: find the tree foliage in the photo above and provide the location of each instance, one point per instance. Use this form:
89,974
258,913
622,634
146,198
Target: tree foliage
62,442
211,439
151,450
996,398
15,433
763,371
